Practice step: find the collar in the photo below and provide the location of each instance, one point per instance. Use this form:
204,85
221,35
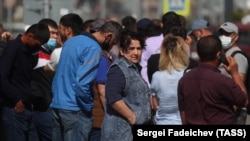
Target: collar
108,55
209,67
44,49
129,64
90,36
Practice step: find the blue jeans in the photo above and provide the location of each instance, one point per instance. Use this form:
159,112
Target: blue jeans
95,134
43,123
71,125
18,126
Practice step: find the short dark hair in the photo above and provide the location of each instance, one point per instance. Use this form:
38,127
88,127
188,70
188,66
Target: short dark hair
73,21
49,22
86,24
129,23
176,31
40,32
208,47
171,18
154,30
128,36
112,26
96,25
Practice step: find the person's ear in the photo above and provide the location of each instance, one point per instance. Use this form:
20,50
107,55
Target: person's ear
121,51
30,35
235,36
108,35
218,54
201,32
68,31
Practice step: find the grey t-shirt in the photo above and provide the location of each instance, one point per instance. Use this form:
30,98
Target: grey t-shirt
239,58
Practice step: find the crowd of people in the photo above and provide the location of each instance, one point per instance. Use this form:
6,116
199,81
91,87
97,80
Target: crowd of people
93,80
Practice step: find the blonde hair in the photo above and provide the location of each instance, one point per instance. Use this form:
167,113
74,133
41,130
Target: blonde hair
173,54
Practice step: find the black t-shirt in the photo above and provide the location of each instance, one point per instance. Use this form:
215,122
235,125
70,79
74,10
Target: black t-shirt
153,63
114,85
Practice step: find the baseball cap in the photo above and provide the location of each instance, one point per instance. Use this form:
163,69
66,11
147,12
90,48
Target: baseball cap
229,27
96,24
198,24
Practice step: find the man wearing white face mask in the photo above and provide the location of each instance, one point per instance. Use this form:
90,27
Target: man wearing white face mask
41,85
228,34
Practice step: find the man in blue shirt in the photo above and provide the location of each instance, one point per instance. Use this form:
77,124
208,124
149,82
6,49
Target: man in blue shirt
72,100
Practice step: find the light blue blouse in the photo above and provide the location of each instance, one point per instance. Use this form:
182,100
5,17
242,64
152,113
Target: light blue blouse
164,86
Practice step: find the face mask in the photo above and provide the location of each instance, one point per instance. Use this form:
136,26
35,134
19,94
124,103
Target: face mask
226,41
51,44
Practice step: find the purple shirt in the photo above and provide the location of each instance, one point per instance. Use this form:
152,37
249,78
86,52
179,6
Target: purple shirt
207,96
153,45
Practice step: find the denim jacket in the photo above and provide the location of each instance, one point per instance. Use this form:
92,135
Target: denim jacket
136,96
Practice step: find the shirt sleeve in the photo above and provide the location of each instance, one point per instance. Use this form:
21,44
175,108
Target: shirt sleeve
231,92
154,85
103,67
144,65
242,63
54,59
7,60
85,75
180,96
115,84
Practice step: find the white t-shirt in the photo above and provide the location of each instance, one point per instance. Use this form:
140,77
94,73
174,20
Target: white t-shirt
54,58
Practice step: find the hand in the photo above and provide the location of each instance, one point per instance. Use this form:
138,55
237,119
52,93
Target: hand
232,67
19,107
189,40
132,120
6,36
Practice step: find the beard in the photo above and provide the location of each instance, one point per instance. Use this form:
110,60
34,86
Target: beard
106,44
63,38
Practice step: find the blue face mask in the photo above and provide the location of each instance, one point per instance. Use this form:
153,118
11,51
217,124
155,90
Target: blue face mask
51,44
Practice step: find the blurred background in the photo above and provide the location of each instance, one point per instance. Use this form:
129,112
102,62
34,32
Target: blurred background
16,14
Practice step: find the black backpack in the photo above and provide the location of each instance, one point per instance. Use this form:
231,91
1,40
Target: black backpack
247,80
